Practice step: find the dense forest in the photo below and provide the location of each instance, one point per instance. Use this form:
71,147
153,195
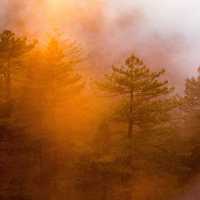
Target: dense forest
128,134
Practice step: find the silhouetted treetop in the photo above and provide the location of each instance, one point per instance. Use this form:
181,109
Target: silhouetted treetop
134,77
13,46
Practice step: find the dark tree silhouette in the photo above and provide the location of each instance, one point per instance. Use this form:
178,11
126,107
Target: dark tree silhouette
191,108
12,48
145,97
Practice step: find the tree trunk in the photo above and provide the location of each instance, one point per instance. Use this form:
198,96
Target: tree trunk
130,132
8,85
130,124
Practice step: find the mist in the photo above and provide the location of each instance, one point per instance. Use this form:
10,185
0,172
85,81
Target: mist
73,126
170,26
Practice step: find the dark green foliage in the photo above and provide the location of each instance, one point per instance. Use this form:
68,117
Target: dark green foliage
145,99
12,48
191,111
145,104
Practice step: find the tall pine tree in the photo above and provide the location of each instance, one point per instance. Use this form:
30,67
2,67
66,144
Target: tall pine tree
191,110
192,102
145,98
12,48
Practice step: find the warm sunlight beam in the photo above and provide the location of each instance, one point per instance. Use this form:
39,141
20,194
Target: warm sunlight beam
55,5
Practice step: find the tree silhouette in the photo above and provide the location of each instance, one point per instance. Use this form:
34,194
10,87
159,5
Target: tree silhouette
144,105
191,108
12,48
60,59
192,93
144,96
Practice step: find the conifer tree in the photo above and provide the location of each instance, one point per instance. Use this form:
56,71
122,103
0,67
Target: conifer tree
12,48
191,110
145,102
145,98
60,60
192,100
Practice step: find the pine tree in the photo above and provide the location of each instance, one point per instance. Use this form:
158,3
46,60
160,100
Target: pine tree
146,99
145,102
192,95
191,110
52,78
12,48
60,59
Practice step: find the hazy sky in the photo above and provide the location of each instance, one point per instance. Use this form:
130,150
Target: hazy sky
164,32
168,18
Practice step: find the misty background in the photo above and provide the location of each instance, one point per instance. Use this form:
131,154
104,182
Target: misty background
111,29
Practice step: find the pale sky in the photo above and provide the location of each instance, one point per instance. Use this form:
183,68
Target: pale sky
169,17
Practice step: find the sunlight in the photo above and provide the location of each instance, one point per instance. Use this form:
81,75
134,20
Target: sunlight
99,100
56,5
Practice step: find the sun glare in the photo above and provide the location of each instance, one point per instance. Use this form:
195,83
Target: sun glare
55,7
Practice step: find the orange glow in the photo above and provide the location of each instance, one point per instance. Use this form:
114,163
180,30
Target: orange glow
67,9
74,127
56,5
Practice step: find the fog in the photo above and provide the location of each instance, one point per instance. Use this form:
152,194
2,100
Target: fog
170,26
71,134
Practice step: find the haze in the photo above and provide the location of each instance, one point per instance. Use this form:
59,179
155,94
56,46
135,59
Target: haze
74,127
172,25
